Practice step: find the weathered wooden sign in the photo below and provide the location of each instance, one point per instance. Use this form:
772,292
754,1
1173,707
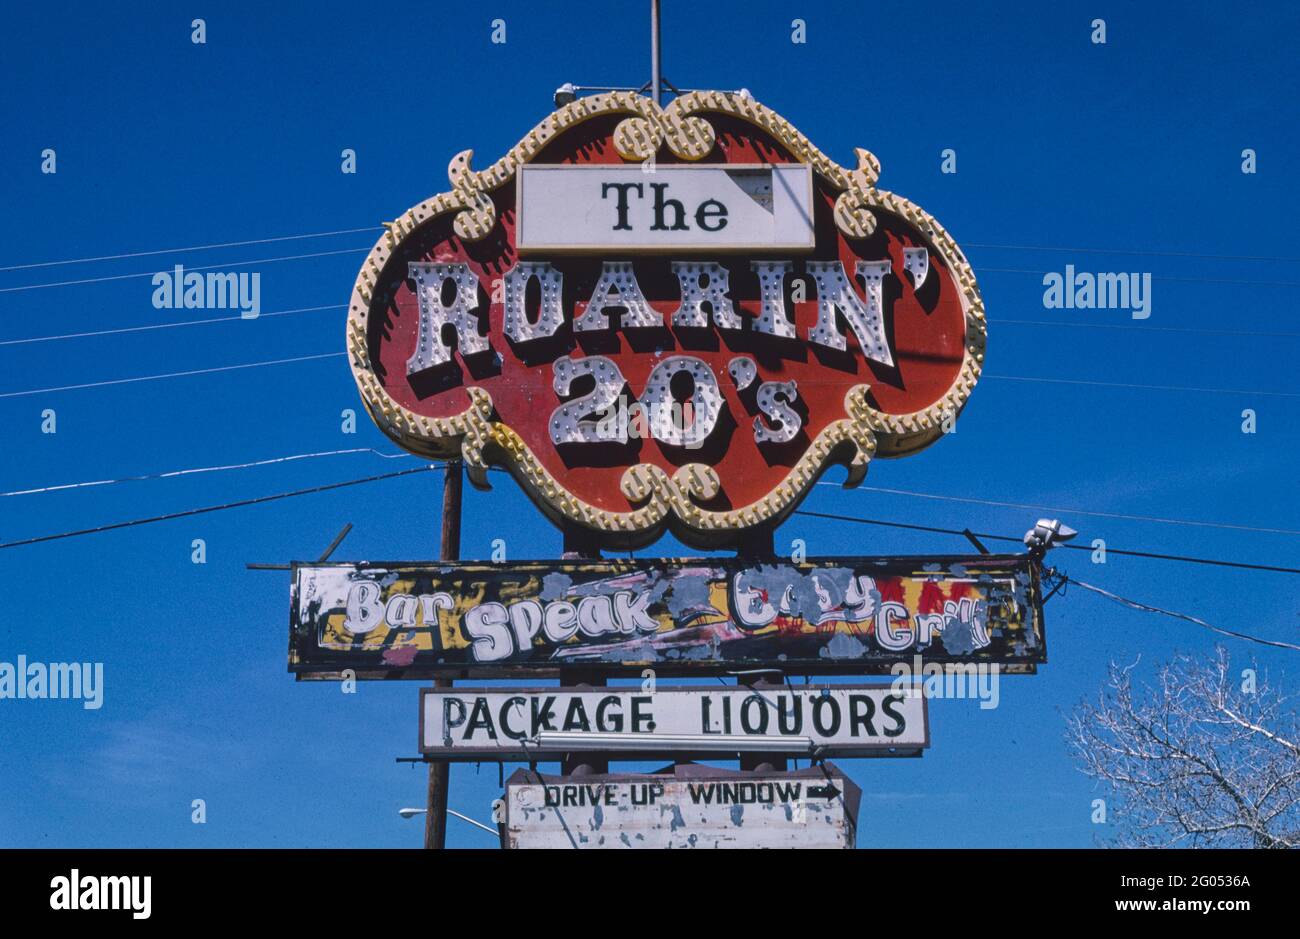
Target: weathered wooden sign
692,807
665,317
684,616
837,720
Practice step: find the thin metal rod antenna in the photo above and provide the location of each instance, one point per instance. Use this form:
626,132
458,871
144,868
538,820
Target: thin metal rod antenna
654,51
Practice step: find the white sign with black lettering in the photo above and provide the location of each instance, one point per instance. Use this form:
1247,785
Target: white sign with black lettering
720,207
488,723
693,807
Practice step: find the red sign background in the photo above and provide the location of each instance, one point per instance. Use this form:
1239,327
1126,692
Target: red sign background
926,328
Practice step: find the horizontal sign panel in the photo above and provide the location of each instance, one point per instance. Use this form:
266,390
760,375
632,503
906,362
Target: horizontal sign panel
839,720
669,207
694,807
684,616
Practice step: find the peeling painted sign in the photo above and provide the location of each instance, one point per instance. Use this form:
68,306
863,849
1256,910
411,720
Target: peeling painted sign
842,720
693,807
684,616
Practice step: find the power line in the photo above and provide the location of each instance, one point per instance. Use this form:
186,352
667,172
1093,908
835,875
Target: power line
217,508
204,469
808,513
352,231
888,491
306,358
1146,607
1114,384
204,322
1156,556
226,244
984,536
906,525
341,306
322,254
1161,329
202,267
196,371
1055,508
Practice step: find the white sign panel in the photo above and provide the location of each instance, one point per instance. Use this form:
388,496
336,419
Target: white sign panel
840,720
696,807
722,207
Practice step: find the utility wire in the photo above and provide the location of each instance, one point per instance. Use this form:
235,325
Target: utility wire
322,254
203,267
226,244
352,231
341,306
804,512
421,469
1073,511
1145,607
888,491
217,508
196,371
205,469
325,355
137,329
984,536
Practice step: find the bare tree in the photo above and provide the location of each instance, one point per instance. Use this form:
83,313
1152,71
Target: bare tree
1200,758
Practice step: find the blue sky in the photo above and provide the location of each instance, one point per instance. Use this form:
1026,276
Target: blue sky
1128,147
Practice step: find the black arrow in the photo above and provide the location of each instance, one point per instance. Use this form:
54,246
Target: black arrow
829,791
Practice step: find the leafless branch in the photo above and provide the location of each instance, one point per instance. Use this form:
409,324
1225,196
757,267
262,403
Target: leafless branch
1198,757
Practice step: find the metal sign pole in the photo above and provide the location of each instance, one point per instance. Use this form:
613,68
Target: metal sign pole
654,51
759,545
587,620
435,817
581,544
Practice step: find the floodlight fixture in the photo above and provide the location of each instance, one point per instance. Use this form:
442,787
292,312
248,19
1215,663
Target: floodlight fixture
1048,533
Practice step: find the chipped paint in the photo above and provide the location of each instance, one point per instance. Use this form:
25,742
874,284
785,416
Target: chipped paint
836,615
691,806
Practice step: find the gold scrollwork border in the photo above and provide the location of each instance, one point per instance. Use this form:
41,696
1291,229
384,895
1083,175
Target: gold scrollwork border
661,499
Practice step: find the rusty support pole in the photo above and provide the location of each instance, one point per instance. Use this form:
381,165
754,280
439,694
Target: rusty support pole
435,816
583,764
765,762
582,543
760,544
